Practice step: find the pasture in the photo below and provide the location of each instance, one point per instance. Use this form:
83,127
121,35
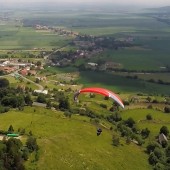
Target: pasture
71,143
139,115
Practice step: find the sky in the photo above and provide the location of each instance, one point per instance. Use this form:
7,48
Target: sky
148,3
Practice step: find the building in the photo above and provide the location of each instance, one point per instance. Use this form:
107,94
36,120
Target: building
41,91
162,138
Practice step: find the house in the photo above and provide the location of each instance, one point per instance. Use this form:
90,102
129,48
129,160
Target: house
92,64
162,138
41,91
42,78
24,72
7,70
32,72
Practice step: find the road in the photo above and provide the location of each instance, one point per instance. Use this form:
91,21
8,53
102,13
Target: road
38,85
16,72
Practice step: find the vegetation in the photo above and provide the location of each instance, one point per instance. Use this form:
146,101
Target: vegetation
126,53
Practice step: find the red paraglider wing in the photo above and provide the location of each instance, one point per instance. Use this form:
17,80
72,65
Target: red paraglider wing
101,91
95,90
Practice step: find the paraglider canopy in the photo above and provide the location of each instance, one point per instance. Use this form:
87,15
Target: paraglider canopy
101,91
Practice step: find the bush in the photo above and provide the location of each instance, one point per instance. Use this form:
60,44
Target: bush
167,109
4,82
151,147
150,106
145,132
103,105
115,140
130,122
164,130
67,114
31,144
158,152
126,103
153,159
149,117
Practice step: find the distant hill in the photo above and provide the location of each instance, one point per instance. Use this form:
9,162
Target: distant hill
165,9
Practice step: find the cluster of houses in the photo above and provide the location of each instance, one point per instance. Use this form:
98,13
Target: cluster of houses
60,31
9,66
103,66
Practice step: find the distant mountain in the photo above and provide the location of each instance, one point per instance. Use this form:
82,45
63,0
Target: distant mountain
165,9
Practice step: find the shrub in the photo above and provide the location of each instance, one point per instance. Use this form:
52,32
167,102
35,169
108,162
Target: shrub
149,117
167,109
164,130
115,140
103,105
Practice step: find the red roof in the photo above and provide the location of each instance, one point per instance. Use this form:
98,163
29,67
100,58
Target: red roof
24,72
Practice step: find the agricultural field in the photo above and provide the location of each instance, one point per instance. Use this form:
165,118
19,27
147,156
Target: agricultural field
121,84
27,38
71,142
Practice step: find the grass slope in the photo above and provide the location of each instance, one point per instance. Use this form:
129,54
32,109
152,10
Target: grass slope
139,115
72,143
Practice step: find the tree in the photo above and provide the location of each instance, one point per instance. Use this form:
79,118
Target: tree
37,80
67,114
28,100
4,82
64,103
115,140
130,122
145,132
168,151
167,109
158,152
103,105
153,159
31,144
164,130
151,147
148,99
41,98
10,129
39,63
25,153
149,117
49,105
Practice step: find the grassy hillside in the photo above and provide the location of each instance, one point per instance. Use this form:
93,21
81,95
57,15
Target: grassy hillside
139,115
72,143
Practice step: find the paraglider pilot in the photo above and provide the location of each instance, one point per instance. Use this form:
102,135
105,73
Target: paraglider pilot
99,131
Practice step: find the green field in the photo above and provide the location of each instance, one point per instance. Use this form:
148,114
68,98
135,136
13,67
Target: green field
132,59
139,115
148,76
120,84
72,143
28,38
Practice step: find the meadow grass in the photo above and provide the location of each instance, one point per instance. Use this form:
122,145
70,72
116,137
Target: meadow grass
139,115
72,143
